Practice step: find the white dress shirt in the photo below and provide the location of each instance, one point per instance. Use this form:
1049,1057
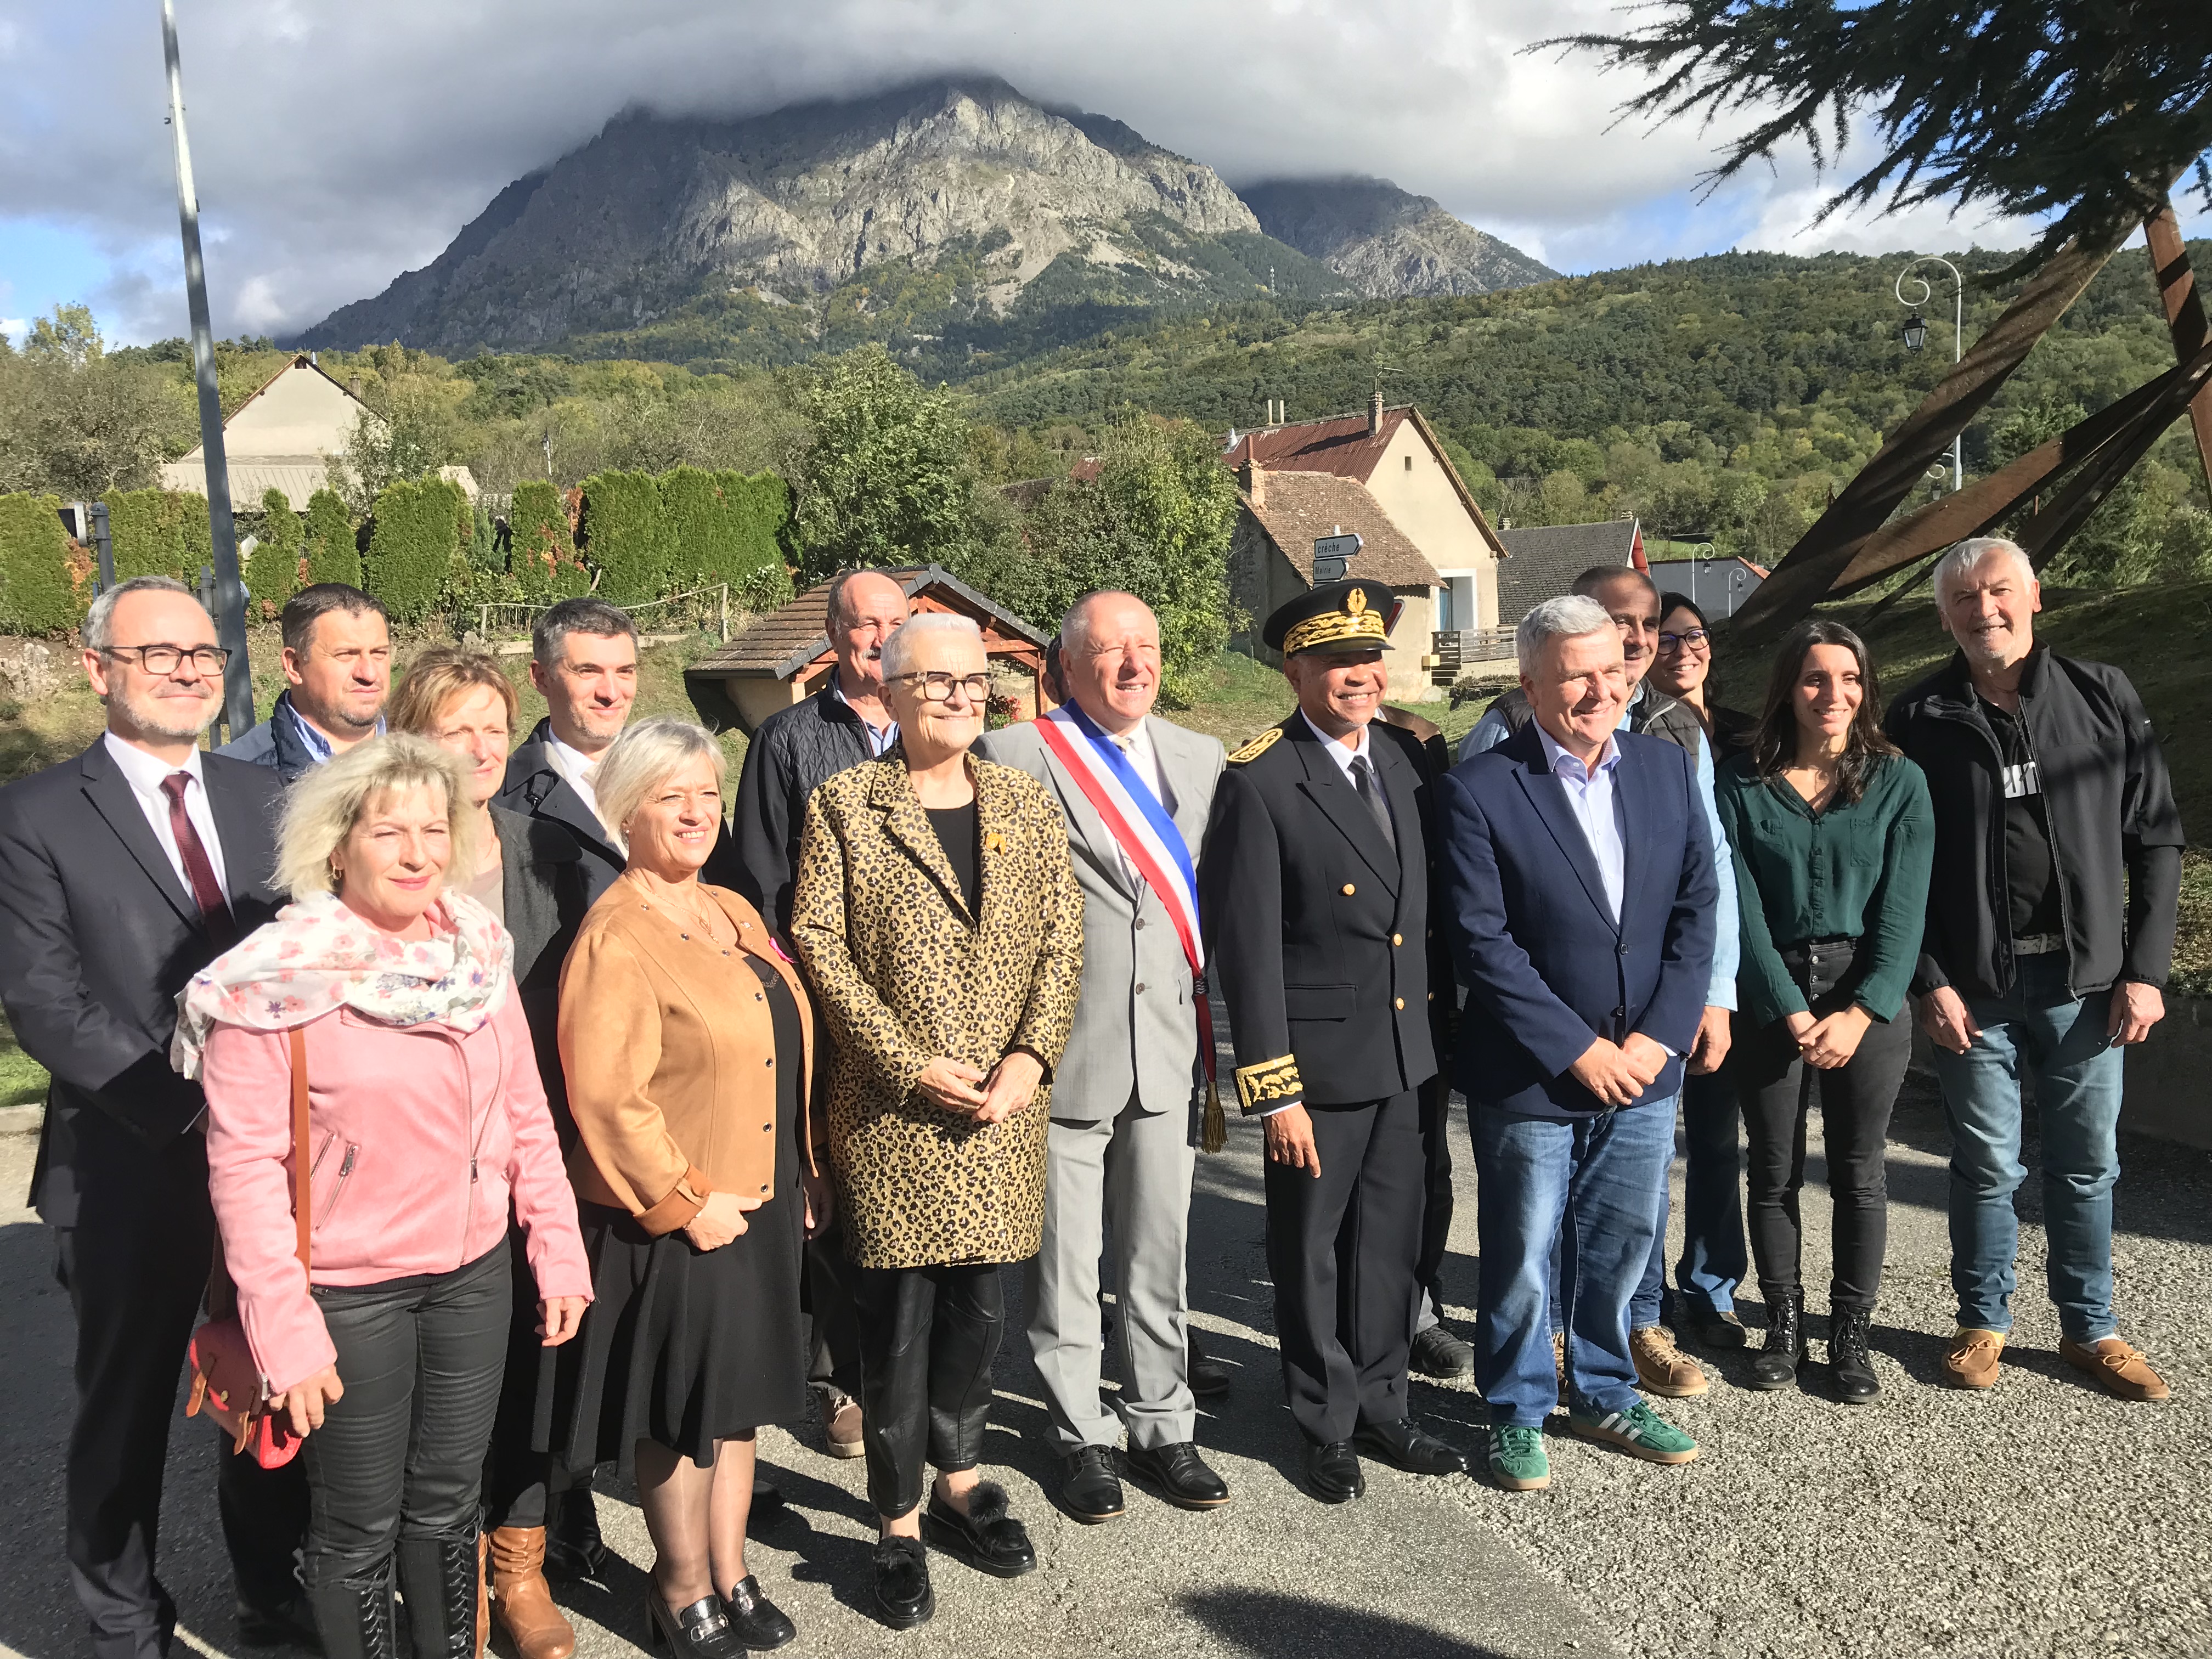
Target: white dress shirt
1145,759
1589,797
575,767
1342,756
144,773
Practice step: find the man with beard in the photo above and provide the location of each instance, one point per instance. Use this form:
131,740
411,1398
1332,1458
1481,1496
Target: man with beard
841,725
338,666
123,873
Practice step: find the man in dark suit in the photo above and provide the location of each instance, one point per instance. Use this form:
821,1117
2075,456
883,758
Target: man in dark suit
123,873
1586,951
1315,886
583,659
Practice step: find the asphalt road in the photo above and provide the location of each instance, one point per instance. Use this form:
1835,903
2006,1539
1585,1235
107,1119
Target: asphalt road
2041,1520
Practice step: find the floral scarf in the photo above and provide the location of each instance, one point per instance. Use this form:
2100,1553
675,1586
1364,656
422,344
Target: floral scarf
318,955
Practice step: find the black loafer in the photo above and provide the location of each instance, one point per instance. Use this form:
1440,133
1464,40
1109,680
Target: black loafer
1403,1446
1179,1474
573,1548
987,1538
903,1598
286,1623
1333,1471
755,1621
1092,1492
1436,1353
1718,1330
1207,1377
701,1631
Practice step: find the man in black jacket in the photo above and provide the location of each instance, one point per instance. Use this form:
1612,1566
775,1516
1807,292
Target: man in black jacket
123,873
842,723
2049,790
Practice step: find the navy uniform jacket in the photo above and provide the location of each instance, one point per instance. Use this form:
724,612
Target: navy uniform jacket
1318,933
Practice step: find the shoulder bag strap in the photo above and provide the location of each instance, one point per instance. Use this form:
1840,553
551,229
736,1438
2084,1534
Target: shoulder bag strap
301,1185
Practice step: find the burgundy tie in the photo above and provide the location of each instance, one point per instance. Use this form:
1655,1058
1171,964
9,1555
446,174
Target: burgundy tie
215,907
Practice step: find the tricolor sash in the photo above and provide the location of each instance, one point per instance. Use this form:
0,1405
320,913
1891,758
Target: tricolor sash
1141,828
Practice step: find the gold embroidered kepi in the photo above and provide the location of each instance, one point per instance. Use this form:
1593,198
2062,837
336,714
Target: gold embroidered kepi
1346,616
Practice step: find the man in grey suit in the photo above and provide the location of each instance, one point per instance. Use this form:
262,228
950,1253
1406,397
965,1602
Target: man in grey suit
1127,1096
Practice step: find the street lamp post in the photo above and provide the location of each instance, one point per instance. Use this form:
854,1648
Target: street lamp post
1916,332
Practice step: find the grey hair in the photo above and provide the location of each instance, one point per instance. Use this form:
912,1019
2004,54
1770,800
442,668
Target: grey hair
581,615
834,606
645,756
1570,617
898,650
1075,626
1972,551
323,807
99,621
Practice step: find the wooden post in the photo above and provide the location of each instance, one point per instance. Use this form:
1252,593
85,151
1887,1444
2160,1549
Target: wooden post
2184,315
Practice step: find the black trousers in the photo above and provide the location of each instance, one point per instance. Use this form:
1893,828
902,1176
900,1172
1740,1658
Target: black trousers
1436,1198
1775,1085
834,1361
928,1336
136,1268
401,1455
521,1484
1342,1249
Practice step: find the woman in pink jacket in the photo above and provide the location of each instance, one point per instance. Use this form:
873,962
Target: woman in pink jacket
426,1117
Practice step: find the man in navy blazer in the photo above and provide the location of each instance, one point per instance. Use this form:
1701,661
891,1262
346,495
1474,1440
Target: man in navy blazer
1580,891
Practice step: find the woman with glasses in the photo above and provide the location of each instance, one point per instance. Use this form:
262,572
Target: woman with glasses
1683,666
937,913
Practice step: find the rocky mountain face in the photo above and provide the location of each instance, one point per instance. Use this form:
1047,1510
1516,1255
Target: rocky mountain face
1386,242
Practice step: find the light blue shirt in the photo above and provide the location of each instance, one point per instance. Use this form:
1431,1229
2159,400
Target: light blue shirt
879,742
1590,799
1728,945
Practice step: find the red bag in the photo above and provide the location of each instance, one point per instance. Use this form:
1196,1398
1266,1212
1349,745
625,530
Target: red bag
226,1381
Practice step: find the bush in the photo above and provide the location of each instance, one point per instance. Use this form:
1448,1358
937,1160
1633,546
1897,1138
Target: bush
160,532
330,548
625,536
412,546
272,573
722,526
45,579
543,558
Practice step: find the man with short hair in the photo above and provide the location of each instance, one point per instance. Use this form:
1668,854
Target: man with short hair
337,669
2050,924
1129,1093
1587,953
1316,886
123,873
583,661
844,723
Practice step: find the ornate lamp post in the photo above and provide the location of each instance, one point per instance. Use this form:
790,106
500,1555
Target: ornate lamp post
1916,333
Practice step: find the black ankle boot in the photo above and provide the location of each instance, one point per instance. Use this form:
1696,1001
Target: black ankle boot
1856,1383
439,1578
356,1618
1776,1367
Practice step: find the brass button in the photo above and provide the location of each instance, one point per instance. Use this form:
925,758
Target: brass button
1349,890
1397,939
1399,1002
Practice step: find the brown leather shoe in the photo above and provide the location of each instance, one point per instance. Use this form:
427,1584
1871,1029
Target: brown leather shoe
1559,1360
1972,1362
840,1427
520,1601
483,1591
2120,1370
1662,1368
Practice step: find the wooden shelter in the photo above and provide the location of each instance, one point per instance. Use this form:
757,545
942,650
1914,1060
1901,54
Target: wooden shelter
781,658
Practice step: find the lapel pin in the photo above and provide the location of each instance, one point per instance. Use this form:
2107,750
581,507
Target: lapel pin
995,841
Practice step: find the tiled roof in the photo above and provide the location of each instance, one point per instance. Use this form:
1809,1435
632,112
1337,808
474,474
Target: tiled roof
1544,560
786,641
1341,445
1297,507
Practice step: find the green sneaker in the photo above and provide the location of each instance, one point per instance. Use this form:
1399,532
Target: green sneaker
1516,1459
1639,1432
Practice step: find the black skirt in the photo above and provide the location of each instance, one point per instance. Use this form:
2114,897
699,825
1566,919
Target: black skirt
684,1346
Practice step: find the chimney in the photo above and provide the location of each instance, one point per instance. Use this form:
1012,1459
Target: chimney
353,386
1255,482
1375,414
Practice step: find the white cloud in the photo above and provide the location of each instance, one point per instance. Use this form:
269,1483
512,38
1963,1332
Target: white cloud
15,328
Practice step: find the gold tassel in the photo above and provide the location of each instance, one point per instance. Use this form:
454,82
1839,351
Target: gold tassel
1213,1134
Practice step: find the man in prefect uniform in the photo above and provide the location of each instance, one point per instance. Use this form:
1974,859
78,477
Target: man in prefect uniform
1315,887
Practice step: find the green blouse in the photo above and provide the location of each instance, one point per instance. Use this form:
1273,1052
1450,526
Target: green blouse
1857,872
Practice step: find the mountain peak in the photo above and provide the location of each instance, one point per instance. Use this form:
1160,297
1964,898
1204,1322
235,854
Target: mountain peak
1386,242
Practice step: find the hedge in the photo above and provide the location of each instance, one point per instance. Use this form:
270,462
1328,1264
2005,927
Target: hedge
625,536
413,546
160,532
543,558
723,526
45,579
272,570
331,550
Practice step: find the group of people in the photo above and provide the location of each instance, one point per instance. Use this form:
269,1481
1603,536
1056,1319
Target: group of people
536,1113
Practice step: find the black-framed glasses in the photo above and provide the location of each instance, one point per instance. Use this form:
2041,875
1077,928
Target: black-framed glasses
937,685
160,660
1696,639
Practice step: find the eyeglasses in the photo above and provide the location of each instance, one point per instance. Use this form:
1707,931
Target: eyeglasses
937,685
162,660
1696,640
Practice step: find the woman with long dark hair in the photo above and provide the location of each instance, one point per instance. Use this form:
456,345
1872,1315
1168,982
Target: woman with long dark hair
1834,837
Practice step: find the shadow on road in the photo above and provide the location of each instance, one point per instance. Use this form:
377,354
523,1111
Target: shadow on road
1261,1622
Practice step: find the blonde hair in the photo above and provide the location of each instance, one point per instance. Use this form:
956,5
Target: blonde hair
434,678
643,758
326,805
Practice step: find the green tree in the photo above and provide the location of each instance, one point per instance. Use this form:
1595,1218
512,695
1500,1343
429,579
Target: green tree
723,526
413,545
160,532
625,537
410,430
272,571
329,543
45,579
542,554
886,477
79,422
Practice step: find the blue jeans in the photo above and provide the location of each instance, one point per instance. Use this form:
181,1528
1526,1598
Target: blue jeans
1713,1259
2060,1040
1586,1184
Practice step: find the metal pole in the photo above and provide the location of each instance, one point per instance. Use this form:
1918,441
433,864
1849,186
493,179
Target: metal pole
103,544
1958,339
229,607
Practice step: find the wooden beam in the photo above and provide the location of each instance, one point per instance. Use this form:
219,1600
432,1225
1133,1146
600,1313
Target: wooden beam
2178,388
2184,315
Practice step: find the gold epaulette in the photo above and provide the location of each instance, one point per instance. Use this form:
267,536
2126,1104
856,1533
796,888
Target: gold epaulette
1271,1080
1257,747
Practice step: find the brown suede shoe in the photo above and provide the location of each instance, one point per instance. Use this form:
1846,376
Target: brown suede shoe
1559,1360
1972,1361
2120,1370
840,1427
1662,1368
520,1601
